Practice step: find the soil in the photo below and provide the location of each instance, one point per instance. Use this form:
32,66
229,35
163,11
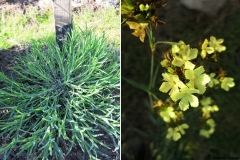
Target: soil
7,56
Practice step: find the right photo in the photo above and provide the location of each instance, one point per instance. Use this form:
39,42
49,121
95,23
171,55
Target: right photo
180,75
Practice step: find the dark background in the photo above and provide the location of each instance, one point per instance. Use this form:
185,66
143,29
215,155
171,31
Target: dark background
142,139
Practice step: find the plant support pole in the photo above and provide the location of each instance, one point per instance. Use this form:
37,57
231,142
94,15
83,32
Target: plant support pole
63,19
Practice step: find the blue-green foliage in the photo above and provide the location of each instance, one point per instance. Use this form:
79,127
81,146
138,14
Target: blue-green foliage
61,98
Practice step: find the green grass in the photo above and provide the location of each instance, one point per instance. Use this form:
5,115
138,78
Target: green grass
62,98
104,20
19,29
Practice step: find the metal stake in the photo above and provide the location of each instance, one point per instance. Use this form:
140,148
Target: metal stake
63,19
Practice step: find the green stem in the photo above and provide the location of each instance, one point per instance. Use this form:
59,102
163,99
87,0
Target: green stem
165,42
153,48
151,79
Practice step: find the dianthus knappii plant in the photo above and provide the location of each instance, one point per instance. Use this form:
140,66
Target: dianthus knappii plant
185,78
61,99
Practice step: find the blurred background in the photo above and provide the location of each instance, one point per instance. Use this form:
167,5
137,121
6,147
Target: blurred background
143,131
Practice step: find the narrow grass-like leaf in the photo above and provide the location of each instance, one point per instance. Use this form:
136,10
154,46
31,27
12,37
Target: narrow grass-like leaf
60,97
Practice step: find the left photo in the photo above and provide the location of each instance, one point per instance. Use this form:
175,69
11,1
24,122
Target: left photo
60,79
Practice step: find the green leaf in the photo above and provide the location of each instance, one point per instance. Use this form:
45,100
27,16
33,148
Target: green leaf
127,6
60,91
140,18
227,83
137,85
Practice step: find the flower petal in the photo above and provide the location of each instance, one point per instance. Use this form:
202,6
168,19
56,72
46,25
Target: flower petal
175,49
220,48
213,39
189,74
177,61
203,53
184,103
176,96
193,100
176,136
226,83
198,71
209,50
204,78
189,65
201,88
174,90
193,54
219,41
165,87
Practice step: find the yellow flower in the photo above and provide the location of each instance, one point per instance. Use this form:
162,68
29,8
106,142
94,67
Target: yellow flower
206,133
186,54
216,44
172,84
177,47
227,83
197,79
187,97
167,114
206,49
173,134
139,29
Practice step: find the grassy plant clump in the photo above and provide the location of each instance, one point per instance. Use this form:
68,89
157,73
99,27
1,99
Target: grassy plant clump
61,98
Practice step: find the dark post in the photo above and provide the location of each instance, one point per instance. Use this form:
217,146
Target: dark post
63,19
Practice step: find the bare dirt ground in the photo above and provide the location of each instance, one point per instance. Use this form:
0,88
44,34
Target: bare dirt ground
7,56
